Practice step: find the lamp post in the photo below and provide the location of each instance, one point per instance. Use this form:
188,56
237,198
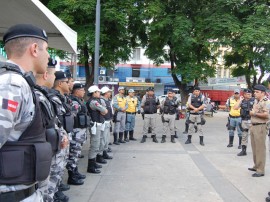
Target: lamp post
97,36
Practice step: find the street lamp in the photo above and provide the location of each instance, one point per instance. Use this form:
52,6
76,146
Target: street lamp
97,36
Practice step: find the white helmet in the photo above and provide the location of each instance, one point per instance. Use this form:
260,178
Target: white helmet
93,89
105,89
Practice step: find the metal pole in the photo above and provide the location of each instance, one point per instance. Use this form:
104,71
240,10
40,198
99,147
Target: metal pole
96,66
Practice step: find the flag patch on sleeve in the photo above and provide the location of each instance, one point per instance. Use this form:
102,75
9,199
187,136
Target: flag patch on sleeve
10,105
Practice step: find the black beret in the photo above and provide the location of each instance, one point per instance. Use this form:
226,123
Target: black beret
60,75
52,63
247,91
171,90
150,89
196,88
24,30
260,87
77,86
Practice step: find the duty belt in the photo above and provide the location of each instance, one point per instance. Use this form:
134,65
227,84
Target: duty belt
131,112
256,124
170,113
17,195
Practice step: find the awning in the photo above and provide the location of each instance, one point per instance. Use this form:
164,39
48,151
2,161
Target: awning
60,35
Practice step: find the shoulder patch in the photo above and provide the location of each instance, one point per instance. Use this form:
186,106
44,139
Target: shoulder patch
10,105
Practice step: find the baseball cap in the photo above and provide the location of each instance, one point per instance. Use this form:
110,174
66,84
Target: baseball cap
121,88
52,63
150,89
260,87
105,89
247,90
93,89
237,90
60,75
131,91
78,86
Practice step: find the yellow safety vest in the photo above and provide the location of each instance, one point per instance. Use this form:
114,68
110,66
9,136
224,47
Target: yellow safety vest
233,112
121,101
132,104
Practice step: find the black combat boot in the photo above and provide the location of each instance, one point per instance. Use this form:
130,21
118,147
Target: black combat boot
172,138
79,175
81,156
91,168
230,141
243,152
149,130
115,141
154,139
143,139
106,156
175,134
126,136
100,159
109,150
121,134
188,140
63,187
73,178
131,135
60,197
201,141
186,128
163,140
240,142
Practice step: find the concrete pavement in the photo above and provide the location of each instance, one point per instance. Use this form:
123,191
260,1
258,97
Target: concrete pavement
168,172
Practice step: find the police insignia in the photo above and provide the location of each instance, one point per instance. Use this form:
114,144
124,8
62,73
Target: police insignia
9,105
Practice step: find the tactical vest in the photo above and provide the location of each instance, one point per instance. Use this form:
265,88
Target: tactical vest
121,101
109,115
150,106
233,112
27,160
95,114
196,101
246,107
67,118
170,106
132,104
81,120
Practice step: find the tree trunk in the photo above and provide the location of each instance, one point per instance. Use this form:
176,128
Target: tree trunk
89,71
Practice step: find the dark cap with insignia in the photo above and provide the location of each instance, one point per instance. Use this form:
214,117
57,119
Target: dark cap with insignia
77,86
247,91
260,87
24,30
150,89
196,88
171,91
59,75
52,63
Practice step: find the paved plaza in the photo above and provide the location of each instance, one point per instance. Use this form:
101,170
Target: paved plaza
177,172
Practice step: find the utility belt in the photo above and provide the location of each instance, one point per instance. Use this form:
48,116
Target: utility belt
234,116
68,122
256,124
53,136
81,121
17,195
131,113
195,113
24,163
170,113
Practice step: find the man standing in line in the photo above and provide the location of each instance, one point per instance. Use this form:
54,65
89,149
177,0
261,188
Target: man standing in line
150,104
196,104
133,108
120,106
235,118
258,131
245,106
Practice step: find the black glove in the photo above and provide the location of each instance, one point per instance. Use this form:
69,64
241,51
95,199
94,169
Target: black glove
139,111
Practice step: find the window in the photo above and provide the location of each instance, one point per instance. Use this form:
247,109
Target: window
137,54
136,72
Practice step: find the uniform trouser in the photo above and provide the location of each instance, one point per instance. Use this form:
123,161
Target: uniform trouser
169,124
130,122
258,137
78,138
105,136
120,123
195,118
35,197
235,124
246,124
149,121
94,142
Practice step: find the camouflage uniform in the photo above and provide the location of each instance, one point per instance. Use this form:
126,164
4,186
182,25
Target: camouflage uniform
16,113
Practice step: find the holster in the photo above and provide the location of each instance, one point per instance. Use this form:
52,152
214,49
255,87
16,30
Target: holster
80,121
53,136
68,122
115,117
24,163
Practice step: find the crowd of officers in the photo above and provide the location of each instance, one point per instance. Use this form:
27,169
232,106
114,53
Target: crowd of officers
45,121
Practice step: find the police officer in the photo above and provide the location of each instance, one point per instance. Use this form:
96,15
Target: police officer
67,119
234,118
105,134
21,116
245,106
120,106
133,108
168,108
258,131
97,112
150,104
196,104
178,100
55,135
